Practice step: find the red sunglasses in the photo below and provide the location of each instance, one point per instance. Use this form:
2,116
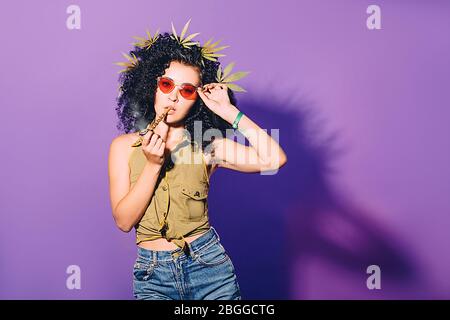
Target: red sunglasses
187,90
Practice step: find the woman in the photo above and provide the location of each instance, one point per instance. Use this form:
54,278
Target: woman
152,186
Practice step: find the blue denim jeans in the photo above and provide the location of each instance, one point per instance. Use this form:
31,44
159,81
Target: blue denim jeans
206,272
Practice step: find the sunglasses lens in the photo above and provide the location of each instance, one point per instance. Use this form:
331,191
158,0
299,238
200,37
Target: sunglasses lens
166,85
188,92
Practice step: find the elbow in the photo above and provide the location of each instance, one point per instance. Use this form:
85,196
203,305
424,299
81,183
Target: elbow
124,228
279,162
283,160
122,225
274,165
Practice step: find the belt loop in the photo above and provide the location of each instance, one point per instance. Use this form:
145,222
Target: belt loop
191,251
217,235
154,257
189,248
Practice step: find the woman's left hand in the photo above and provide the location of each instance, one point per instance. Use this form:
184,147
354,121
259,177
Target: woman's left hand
215,97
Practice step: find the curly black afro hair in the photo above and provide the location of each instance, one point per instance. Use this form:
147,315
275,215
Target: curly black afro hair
135,104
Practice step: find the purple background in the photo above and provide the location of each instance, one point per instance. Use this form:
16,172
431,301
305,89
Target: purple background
363,117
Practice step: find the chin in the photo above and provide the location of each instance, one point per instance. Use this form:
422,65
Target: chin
173,120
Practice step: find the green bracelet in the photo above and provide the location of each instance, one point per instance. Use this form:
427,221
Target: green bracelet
236,121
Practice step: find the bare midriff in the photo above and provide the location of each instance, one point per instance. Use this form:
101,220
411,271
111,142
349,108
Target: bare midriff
163,245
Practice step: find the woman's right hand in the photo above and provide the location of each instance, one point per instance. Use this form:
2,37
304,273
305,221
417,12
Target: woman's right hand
154,147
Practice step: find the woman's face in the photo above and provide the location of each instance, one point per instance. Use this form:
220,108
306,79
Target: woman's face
180,74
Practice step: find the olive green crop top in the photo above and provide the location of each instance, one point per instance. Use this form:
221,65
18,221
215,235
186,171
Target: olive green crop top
179,205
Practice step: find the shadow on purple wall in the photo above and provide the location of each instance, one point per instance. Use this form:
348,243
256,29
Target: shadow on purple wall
268,223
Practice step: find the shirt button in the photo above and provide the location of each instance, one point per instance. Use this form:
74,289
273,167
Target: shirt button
164,188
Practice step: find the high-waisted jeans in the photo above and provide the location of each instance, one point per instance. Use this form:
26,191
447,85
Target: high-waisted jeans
206,272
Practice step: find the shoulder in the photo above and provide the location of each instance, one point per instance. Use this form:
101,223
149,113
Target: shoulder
125,138
121,145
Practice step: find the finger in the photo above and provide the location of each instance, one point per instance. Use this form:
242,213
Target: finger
209,86
202,94
158,136
147,138
152,142
158,143
162,127
162,147
163,130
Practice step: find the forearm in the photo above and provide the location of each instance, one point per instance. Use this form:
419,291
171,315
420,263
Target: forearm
131,208
268,150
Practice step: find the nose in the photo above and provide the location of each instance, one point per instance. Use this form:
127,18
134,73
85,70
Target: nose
173,96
